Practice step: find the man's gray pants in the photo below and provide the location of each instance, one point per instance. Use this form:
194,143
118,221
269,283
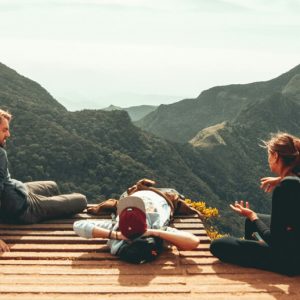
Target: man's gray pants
45,202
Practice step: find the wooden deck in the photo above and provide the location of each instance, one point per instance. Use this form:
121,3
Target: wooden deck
48,261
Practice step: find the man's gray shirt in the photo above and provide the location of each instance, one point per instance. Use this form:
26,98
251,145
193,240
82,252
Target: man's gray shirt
13,193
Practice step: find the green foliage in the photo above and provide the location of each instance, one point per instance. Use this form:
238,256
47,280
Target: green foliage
94,152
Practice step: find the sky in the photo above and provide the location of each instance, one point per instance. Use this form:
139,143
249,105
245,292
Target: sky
93,53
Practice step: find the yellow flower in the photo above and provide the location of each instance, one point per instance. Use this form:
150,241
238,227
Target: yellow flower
208,213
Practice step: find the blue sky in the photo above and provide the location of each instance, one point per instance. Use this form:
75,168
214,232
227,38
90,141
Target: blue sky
92,53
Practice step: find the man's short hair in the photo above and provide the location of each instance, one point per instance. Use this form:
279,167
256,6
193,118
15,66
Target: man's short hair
4,114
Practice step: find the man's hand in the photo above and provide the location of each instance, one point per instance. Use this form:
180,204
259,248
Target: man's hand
4,247
109,205
245,211
152,232
268,183
120,236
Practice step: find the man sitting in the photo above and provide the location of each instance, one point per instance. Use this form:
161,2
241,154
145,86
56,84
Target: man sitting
30,202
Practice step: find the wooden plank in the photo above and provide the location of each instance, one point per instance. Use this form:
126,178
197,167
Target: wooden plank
197,254
66,239
58,247
90,279
52,239
31,255
205,239
201,247
241,295
38,226
189,225
178,216
244,288
119,270
204,260
139,296
71,256
94,289
198,232
241,278
187,220
85,215
173,289
11,232
106,260
56,255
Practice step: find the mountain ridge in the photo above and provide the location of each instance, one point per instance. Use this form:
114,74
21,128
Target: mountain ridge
14,84
212,106
135,112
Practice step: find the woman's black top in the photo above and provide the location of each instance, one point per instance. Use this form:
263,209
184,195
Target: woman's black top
283,236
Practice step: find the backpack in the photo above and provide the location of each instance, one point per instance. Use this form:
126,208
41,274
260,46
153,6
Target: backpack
173,198
141,250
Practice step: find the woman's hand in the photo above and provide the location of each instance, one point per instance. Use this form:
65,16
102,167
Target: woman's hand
245,211
4,247
268,183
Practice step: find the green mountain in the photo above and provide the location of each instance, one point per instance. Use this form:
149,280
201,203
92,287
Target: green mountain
99,153
135,112
182,120
17,90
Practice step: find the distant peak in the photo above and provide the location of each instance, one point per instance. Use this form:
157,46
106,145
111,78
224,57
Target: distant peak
112,107
209,136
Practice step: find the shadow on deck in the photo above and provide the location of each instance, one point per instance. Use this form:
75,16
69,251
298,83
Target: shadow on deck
48,261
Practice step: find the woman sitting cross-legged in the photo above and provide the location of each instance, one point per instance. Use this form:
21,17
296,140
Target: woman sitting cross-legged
279,248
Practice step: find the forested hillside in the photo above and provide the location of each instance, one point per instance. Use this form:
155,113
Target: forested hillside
100,153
